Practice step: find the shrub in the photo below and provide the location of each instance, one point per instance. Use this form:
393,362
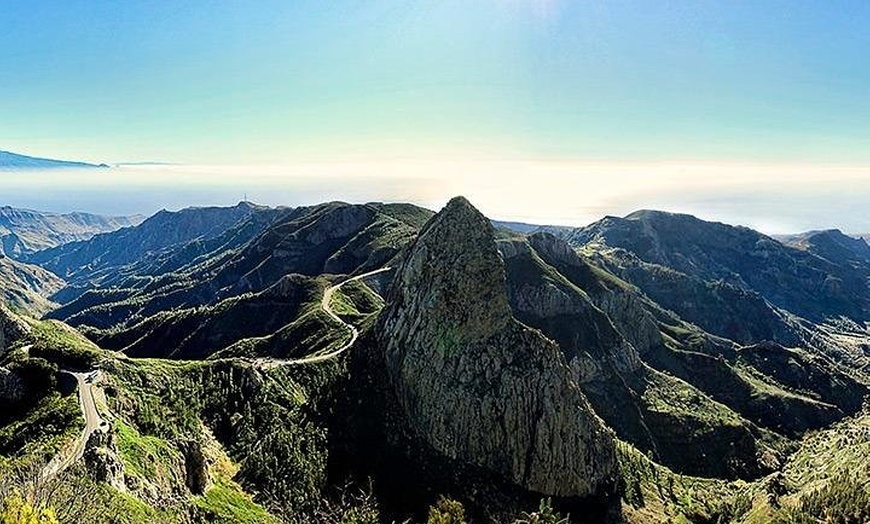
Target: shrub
446,511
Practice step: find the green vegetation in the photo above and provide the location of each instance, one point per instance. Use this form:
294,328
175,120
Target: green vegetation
38,423
200,332
313,332
826,480
39,432
17,510
410,214
225,503
446,511
653,493
23,287
544,515
149,459
355,301
270,423
678,399
58,343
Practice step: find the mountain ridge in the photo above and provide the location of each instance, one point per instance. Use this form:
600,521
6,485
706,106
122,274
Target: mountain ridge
637,366
25,231
10,160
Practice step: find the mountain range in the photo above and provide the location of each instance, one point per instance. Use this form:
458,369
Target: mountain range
23,231
384,363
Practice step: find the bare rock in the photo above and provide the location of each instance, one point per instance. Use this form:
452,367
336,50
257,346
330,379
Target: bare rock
103,460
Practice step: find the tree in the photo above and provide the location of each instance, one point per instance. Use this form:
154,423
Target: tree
17,510
29,496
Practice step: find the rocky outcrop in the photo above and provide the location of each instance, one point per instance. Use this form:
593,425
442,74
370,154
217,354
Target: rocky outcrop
196,467
12,329
475,384
103,460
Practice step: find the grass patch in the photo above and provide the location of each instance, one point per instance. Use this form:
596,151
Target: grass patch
226,503
150,458
354,301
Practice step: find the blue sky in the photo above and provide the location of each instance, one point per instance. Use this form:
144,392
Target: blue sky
275,81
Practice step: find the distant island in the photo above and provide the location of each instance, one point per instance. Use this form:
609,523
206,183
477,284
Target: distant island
9,160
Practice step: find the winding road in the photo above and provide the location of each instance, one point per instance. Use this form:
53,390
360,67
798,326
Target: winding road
93,420
326,306
85,384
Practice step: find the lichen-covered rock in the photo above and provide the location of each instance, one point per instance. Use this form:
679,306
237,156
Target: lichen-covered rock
474,383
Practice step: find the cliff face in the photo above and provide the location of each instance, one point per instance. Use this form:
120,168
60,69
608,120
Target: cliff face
473,382
543,298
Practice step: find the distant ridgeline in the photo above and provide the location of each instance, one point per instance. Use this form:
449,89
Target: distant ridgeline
24,231
10,161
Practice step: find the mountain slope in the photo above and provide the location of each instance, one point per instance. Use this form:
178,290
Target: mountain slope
23,232
173,304
197,333
26,287
80,262
795,280
833,246
497,368
607,331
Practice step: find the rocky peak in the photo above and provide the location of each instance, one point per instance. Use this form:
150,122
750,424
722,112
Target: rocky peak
455,275
475,384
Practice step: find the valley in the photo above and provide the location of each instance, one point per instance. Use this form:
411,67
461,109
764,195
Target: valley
368,363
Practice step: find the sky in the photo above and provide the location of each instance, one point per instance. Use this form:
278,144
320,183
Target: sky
722,92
